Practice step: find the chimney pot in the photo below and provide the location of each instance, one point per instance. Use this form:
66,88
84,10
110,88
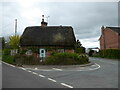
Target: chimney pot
43,23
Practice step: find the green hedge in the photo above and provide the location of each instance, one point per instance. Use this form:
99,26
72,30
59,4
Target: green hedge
8,59
80,50
109,53
54,59
66,59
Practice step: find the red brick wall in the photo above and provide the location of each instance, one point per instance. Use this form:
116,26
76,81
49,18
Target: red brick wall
111,39
70,51
119,42
101,43
48,53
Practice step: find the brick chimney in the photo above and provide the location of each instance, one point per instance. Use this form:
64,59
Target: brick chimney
102,30
103,36
43,23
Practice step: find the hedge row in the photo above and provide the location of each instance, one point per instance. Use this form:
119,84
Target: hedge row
66,59
8,58
109,53
54,59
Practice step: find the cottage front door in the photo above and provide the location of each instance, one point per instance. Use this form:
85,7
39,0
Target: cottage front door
42,53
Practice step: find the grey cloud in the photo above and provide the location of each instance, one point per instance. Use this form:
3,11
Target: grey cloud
85,18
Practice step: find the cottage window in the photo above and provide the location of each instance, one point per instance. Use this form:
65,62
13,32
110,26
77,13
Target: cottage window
42,51
29,52
61,50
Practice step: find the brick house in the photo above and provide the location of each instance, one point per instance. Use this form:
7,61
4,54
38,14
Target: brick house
110,38
48,39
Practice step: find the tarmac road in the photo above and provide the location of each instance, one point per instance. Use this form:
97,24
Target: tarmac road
14,77
105,75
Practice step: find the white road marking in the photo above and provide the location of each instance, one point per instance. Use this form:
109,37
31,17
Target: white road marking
39,69
66,85
29,71
80,69
41,75
57,69
46,70
98,66
52,79
34,73
94,65
36,68
22,68
12,65
8,64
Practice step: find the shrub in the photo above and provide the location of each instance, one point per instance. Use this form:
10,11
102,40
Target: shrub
91,52
80,50
6,51
66,59
109,53
8,58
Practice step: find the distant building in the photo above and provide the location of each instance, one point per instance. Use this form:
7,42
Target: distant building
59,38
110,38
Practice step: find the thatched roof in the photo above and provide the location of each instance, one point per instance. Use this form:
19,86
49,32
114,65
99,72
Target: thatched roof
48,36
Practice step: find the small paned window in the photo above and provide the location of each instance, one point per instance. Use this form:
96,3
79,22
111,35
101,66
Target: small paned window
61,50
42,51
29,52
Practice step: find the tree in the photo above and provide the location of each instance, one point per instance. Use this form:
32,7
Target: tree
79,48
78,44
14,41
2,42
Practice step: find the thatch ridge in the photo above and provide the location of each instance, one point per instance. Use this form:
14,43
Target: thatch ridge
48,36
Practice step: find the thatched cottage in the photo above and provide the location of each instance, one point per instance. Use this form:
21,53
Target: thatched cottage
48,39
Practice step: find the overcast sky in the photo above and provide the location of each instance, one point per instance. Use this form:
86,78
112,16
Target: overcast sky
86,18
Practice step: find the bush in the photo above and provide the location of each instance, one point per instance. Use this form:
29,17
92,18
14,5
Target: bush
27,60
109,53
80,50
6,51
91,52
66,59
8,58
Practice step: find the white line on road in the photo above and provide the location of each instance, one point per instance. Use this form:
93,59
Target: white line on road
34,73
22,68
8,64
29,71
98,66
39,69
66,85
36,68
46,70
12,65
52,79
57,69
41,75
94,65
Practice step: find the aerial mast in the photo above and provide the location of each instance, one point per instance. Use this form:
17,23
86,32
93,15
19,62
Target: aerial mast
15,27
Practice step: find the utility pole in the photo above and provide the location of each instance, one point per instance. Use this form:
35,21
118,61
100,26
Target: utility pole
15,27
47,18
